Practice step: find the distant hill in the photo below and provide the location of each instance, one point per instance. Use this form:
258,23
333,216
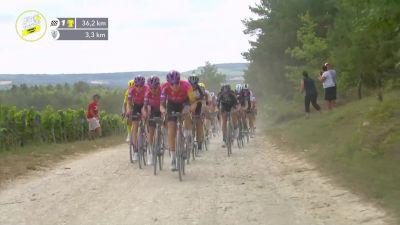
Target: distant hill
120,79
229,69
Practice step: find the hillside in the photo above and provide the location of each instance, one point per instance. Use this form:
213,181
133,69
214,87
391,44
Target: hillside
106,79
358,143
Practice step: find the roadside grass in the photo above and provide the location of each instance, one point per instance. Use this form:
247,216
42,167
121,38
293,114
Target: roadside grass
22,160
358,143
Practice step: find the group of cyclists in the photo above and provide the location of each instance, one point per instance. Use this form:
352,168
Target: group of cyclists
203,112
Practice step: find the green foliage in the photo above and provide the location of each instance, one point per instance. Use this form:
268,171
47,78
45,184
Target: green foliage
360,38
27,126
62,97
310,51
211,77
276,28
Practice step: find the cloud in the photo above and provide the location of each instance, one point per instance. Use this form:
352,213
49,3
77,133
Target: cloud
143,35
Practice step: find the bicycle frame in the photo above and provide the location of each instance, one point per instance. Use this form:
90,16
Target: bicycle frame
157,146
179,145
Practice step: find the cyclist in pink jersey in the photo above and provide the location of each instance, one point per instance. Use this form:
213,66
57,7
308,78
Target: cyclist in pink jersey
135,105
151,107
175,94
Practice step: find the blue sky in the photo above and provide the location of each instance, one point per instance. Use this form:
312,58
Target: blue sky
143,35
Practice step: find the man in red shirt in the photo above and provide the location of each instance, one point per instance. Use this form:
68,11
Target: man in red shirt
92,116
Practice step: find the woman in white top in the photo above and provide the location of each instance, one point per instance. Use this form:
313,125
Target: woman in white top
328,79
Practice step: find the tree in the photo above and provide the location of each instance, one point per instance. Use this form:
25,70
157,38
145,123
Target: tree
276,28
211,77
367,48
312,50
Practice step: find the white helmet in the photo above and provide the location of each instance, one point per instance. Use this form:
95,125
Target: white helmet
246,86
238,87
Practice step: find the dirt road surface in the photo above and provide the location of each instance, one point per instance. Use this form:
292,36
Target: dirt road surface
257,185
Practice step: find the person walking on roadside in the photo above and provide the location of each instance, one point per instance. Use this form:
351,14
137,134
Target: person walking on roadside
92,116
307,87
328,79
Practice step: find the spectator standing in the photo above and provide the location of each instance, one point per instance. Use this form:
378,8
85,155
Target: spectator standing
93,119
328,79
307,87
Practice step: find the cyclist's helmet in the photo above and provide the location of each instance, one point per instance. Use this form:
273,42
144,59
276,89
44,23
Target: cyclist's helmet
226,88
212,94
246,86
238,88
131,83
153,82
173,77
193,80
139,81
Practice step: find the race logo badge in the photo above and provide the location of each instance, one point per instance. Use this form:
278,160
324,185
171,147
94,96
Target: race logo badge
31,25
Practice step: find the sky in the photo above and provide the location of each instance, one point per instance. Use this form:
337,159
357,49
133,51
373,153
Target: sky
143,35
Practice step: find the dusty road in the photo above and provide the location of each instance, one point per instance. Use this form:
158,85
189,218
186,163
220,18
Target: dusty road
257,185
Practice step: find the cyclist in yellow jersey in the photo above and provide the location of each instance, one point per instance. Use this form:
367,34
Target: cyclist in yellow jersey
131,83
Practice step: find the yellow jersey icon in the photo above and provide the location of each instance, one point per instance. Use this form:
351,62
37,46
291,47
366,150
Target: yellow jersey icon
71,23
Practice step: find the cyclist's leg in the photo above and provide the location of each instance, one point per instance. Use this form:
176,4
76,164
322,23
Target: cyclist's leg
224,122
171,135
135,122
128,128
235,120
250,115
152,125
134,129
187,125
200,132
245,119
172,130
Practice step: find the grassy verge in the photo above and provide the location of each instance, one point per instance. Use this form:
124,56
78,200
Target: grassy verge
37,157
358,143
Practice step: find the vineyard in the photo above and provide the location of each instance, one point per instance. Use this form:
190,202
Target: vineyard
28,126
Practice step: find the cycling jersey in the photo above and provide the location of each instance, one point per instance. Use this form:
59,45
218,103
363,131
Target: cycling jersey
182,95
198,93
244,98
126,96
153,100
226,101
137,97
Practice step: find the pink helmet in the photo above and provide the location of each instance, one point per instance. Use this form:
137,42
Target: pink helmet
139,81
153,82
173,77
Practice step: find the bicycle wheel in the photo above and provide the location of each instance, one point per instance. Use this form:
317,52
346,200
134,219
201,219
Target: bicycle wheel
154,151
131,151
206,138
194,141
228,138
178,154
194,150
161,150
144,148
140,147
188,149
131,148
240,133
